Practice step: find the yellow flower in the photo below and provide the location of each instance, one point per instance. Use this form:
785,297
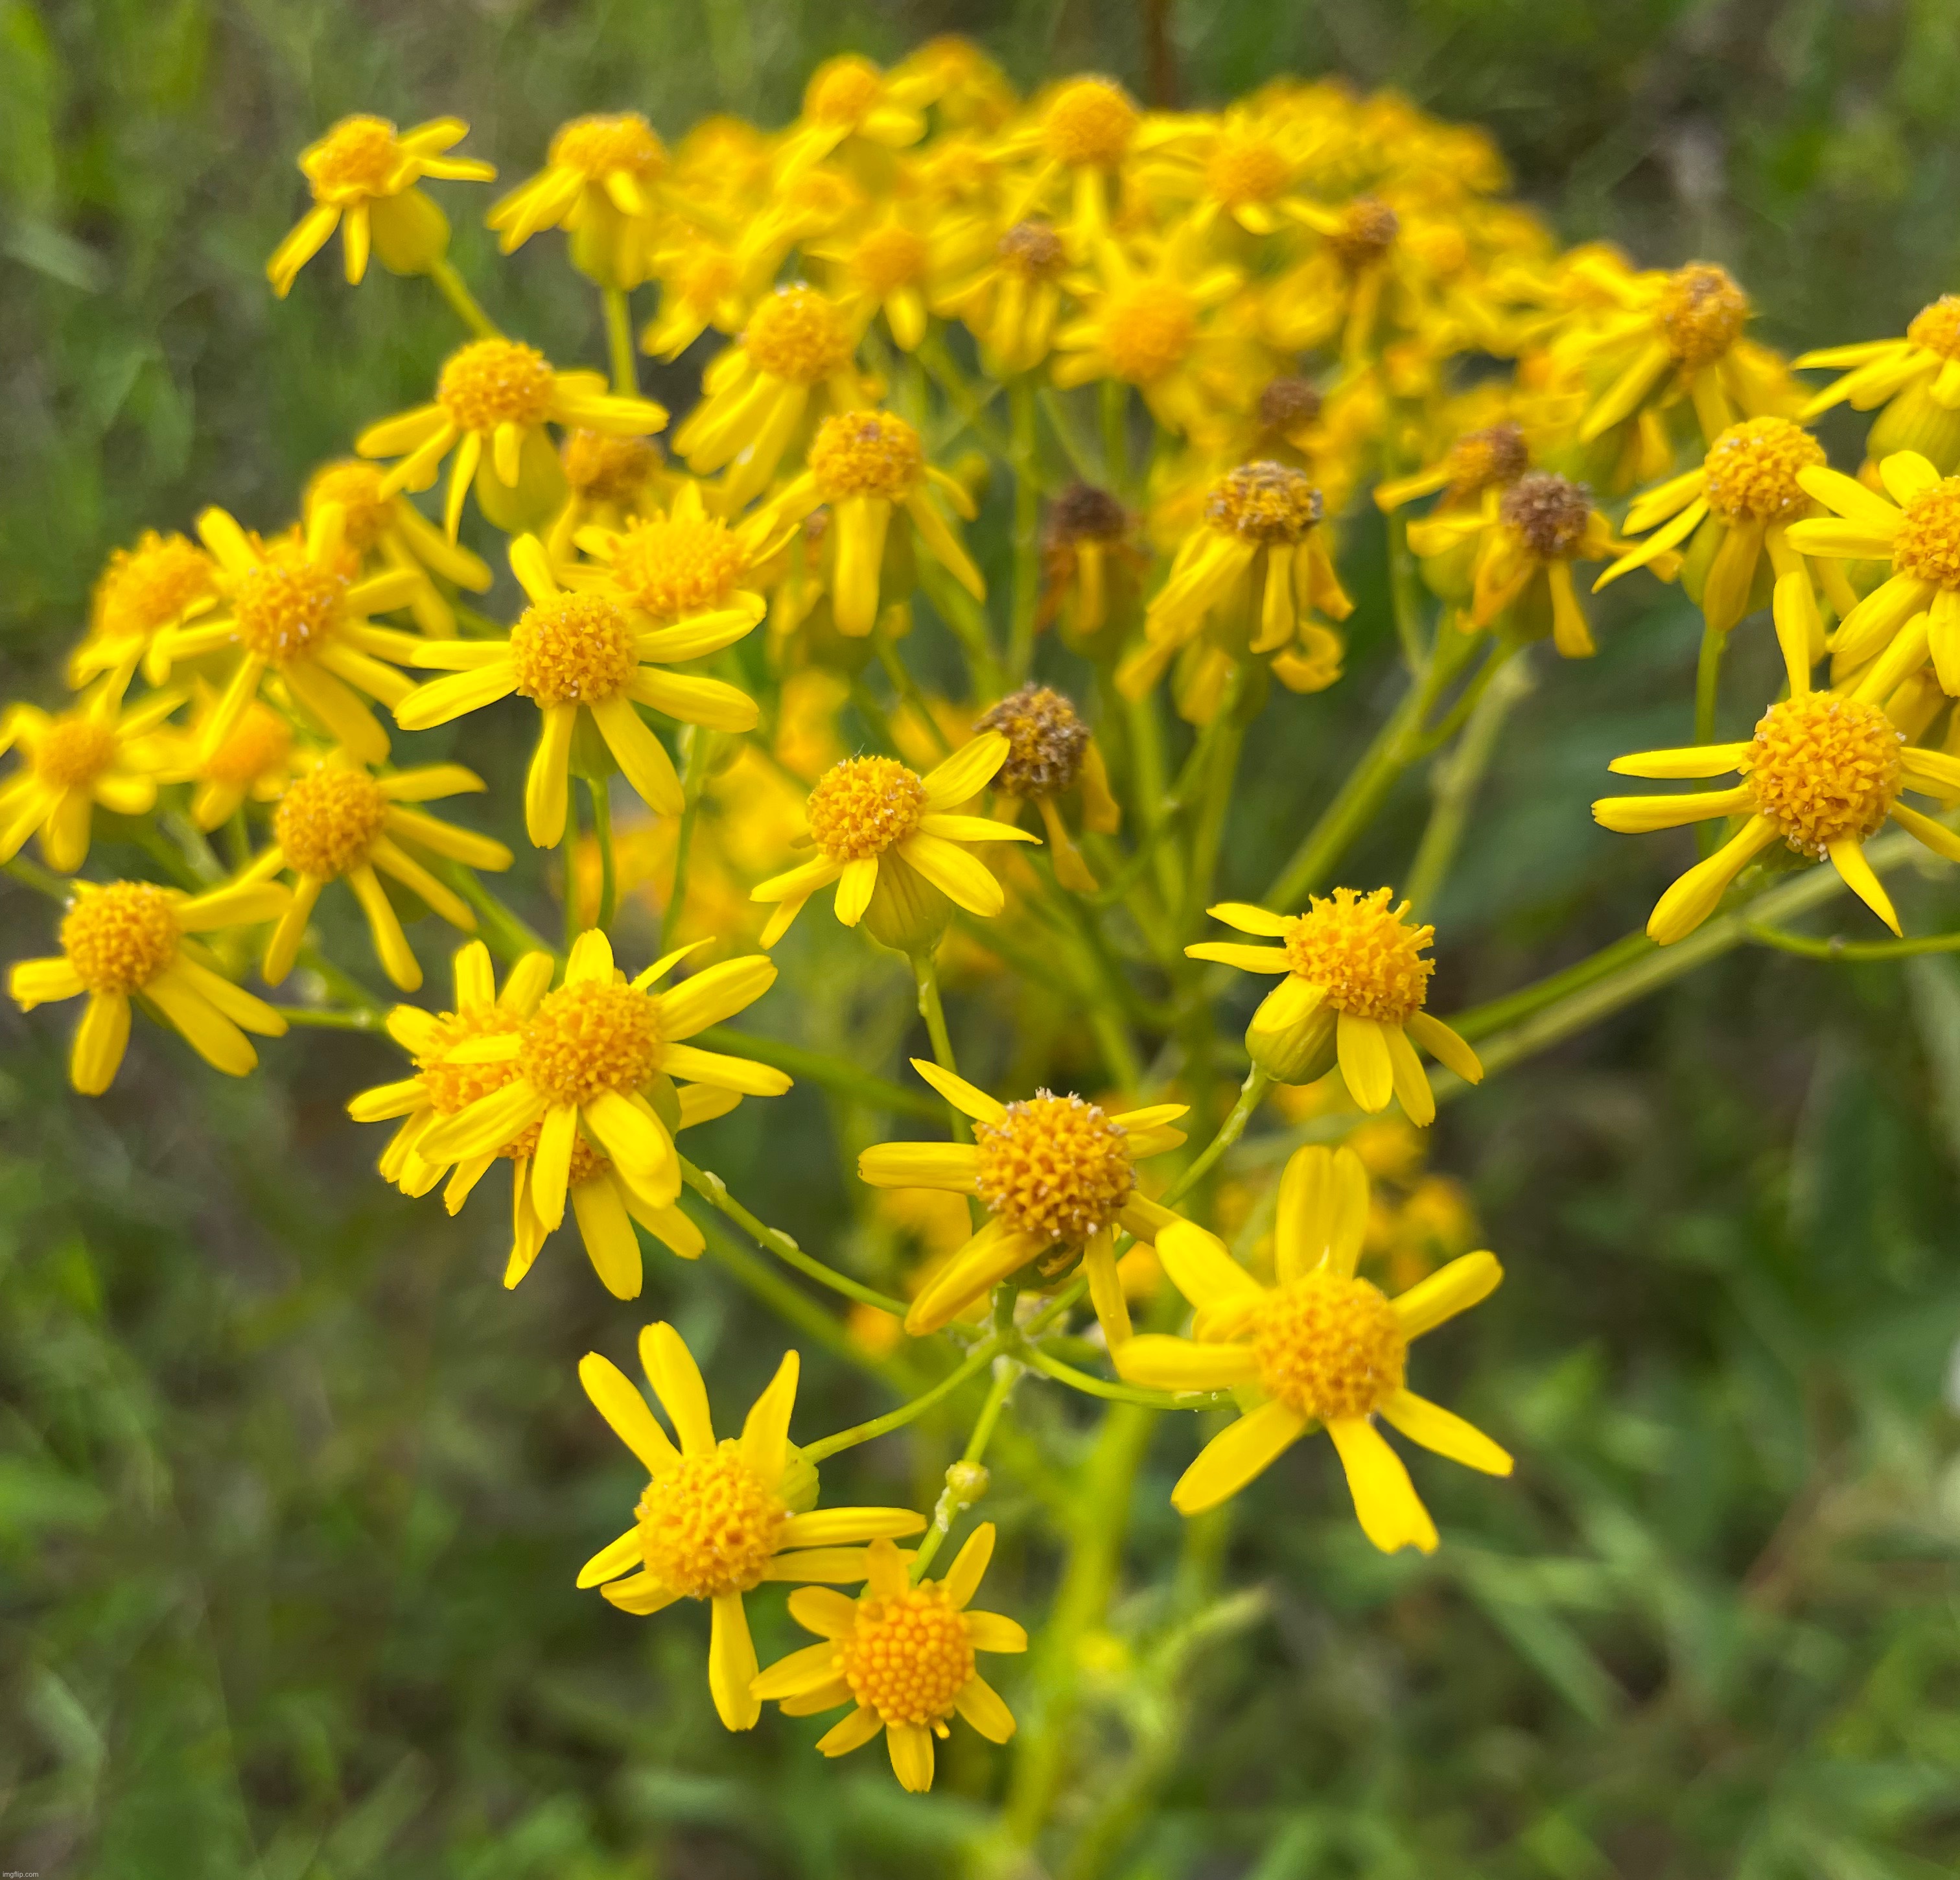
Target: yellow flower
886,265
142,594
1823,771
604,1205
597,182
847,99
1356,983
383,527
609,482
684,565
362,174
1079,132
1255,571
253,761
884,832
1320,1347
903,1654
1146,327
587,1059
492,401
704,283
295,607
1056,1176
130,940
99,753
1010,293
797,348
1240,164
1738,504
1916,380
1915,610
572,653
340,822
1492,457
1528,534
1050,751
864,465
716,1520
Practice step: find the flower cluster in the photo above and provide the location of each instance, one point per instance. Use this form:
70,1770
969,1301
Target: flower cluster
978,366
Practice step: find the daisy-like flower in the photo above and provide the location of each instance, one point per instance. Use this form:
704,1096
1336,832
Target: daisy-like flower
1915,379
797,350
902,1654
704,283
1527,536
1057,1177
1341,288
587,1059
598,183
573,652
387,532
1079,133
1010,299
604,1205
130,940
1257,571
1146,326
885,267
253,762
1915,526
848,100
1355,985
101,752
493,400
717,1519
1823,772
864,466
340,822
1051,752
1320,1347
1492,457
362,175
1675,336
889,839
1238,165
609,482
682,565
143,593
295,608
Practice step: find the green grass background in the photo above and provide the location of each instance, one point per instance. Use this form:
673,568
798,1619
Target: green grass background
292,1492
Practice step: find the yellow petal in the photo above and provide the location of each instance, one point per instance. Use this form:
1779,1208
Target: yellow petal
1453,1289
1233,1457
1445,1432
765,1431
1321,1214
1201,1268
1392,1513
731,1664
1180,1364
676,1378
1365,1064
626,1413
969,1566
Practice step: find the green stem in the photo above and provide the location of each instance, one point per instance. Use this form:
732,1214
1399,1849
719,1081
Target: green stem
1037,1360
1230,1131
602,830
1027,523
450,285
1837,947
1481,1021
967,621
831,1073
322,1018
690,815
343,985
506,933
619,342
569,854
1457,776
1708,691
1227,737
714,1191
925,970
905,688
1007,1375
42,881
237,840
1404,594
946,373
974,1362
1115,414
875,722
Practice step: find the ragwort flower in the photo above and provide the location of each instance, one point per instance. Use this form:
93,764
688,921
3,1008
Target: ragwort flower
1916,380
903,1653
382,527
597,184
1056,1176
143,592
717,1519
1320,1347
1050,752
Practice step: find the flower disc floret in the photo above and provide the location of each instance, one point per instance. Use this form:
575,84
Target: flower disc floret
797,336
596,146
1365,955
1549,512
73,752
675,565
1089,121
145,588
1702,314
1937,327
1263,502
1054,1167
908,1655
286,604
574,649
710,1526
841,92
587,1039
862,805
120,937
1246,169
356,487
1479,460
327,822
888,257
866,454
1825,769
259,741
360,156
490,382
1046,741
1032,250
1367,231
1751,470
451,1088
1927,546
603,469
1148,328
1330,1346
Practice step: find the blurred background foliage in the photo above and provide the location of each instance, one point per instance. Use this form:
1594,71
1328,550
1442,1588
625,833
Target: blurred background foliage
291,1492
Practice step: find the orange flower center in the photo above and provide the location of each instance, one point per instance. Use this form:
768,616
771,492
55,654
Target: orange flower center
1937,327
1329,1346
1089,121
602,469
327,821
866,454
586,1039
1242,169
675,566
1823,769
150,586
259,742
1365,955
908,1656
841,91
1751,470
490,382
710,1526
356,488
120,937
573,649
862,805
360,156
1147,329
595,146
1701,314
452,1089
1497,454
797,336
1263,502
73,752
1928,542
1368,229
285,603
888,257
1032,250
1055,1167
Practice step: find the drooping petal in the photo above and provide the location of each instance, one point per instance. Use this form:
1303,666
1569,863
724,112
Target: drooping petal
1321,1214
1445,1432
1365,1064
982,1706
731,1664
1391,1513
1238,1453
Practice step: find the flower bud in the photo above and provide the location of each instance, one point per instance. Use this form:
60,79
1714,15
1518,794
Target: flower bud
1302,1054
